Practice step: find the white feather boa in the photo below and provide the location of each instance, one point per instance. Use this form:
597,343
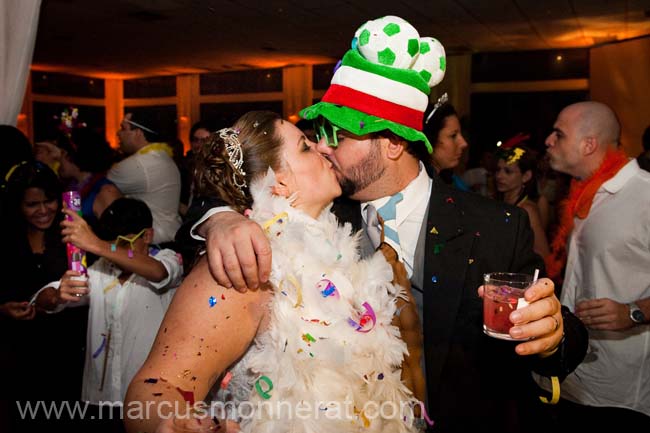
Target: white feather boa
314,357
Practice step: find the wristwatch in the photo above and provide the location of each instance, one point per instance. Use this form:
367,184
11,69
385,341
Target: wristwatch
636,315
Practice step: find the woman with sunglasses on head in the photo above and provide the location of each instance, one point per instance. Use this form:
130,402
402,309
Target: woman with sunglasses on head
129,289
319,338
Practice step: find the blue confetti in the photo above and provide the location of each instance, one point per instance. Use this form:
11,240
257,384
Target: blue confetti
212,301
434,279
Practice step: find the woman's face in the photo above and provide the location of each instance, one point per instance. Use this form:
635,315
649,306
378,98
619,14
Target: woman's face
448,150
509,177
305,171
38,210
68,169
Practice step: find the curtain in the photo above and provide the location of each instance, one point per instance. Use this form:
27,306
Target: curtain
18,25
619,77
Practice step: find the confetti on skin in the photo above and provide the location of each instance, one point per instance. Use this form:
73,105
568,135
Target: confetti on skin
434,279
264,393
188,396
338,257
212,301
434,231
151,380
307,338
380,376
157,394
223,297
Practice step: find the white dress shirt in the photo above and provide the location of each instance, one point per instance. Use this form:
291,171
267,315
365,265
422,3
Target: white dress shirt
152,177
609,257
133,311
411,212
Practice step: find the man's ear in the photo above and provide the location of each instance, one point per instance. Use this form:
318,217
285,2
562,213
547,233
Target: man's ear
395,148
148,235
589,145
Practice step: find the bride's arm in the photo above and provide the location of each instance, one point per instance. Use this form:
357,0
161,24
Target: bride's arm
196,342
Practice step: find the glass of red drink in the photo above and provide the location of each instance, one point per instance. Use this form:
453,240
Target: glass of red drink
503,294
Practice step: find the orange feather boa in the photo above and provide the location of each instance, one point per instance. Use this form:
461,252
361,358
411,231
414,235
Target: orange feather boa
578,204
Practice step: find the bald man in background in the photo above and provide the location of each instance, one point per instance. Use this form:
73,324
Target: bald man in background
607,277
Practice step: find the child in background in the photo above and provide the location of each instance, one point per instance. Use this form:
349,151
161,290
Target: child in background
129,289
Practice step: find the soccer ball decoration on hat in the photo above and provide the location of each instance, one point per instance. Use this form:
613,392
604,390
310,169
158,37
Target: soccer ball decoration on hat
389,41
431,62
382,83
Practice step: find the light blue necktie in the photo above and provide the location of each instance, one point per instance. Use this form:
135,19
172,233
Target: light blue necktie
388,214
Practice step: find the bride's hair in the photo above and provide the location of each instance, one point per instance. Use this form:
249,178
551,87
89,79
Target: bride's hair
221,171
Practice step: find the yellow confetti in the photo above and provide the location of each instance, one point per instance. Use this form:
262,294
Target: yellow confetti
434,231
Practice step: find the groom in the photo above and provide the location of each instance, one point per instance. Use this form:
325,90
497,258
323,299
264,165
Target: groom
370,128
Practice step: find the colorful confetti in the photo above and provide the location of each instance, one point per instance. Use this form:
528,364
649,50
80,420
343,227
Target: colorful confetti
437,248
434,279
327,288
212,301
307,338
226,380
449,200
101,347
434,231
368,316
470,261
188,396
264,393
151,380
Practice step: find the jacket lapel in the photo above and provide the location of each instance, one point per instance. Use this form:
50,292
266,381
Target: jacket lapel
447,254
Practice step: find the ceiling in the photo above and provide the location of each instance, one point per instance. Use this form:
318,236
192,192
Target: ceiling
129,38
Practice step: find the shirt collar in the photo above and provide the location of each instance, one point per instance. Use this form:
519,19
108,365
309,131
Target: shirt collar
615,184
414,192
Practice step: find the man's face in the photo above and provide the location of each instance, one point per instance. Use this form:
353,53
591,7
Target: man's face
126,135
357,161
564,144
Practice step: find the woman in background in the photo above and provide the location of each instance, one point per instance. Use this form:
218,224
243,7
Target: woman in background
516,185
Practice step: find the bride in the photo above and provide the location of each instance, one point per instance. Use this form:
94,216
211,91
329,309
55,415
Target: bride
320,350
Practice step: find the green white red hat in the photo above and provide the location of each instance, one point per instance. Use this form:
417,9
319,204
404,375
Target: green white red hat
384,81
